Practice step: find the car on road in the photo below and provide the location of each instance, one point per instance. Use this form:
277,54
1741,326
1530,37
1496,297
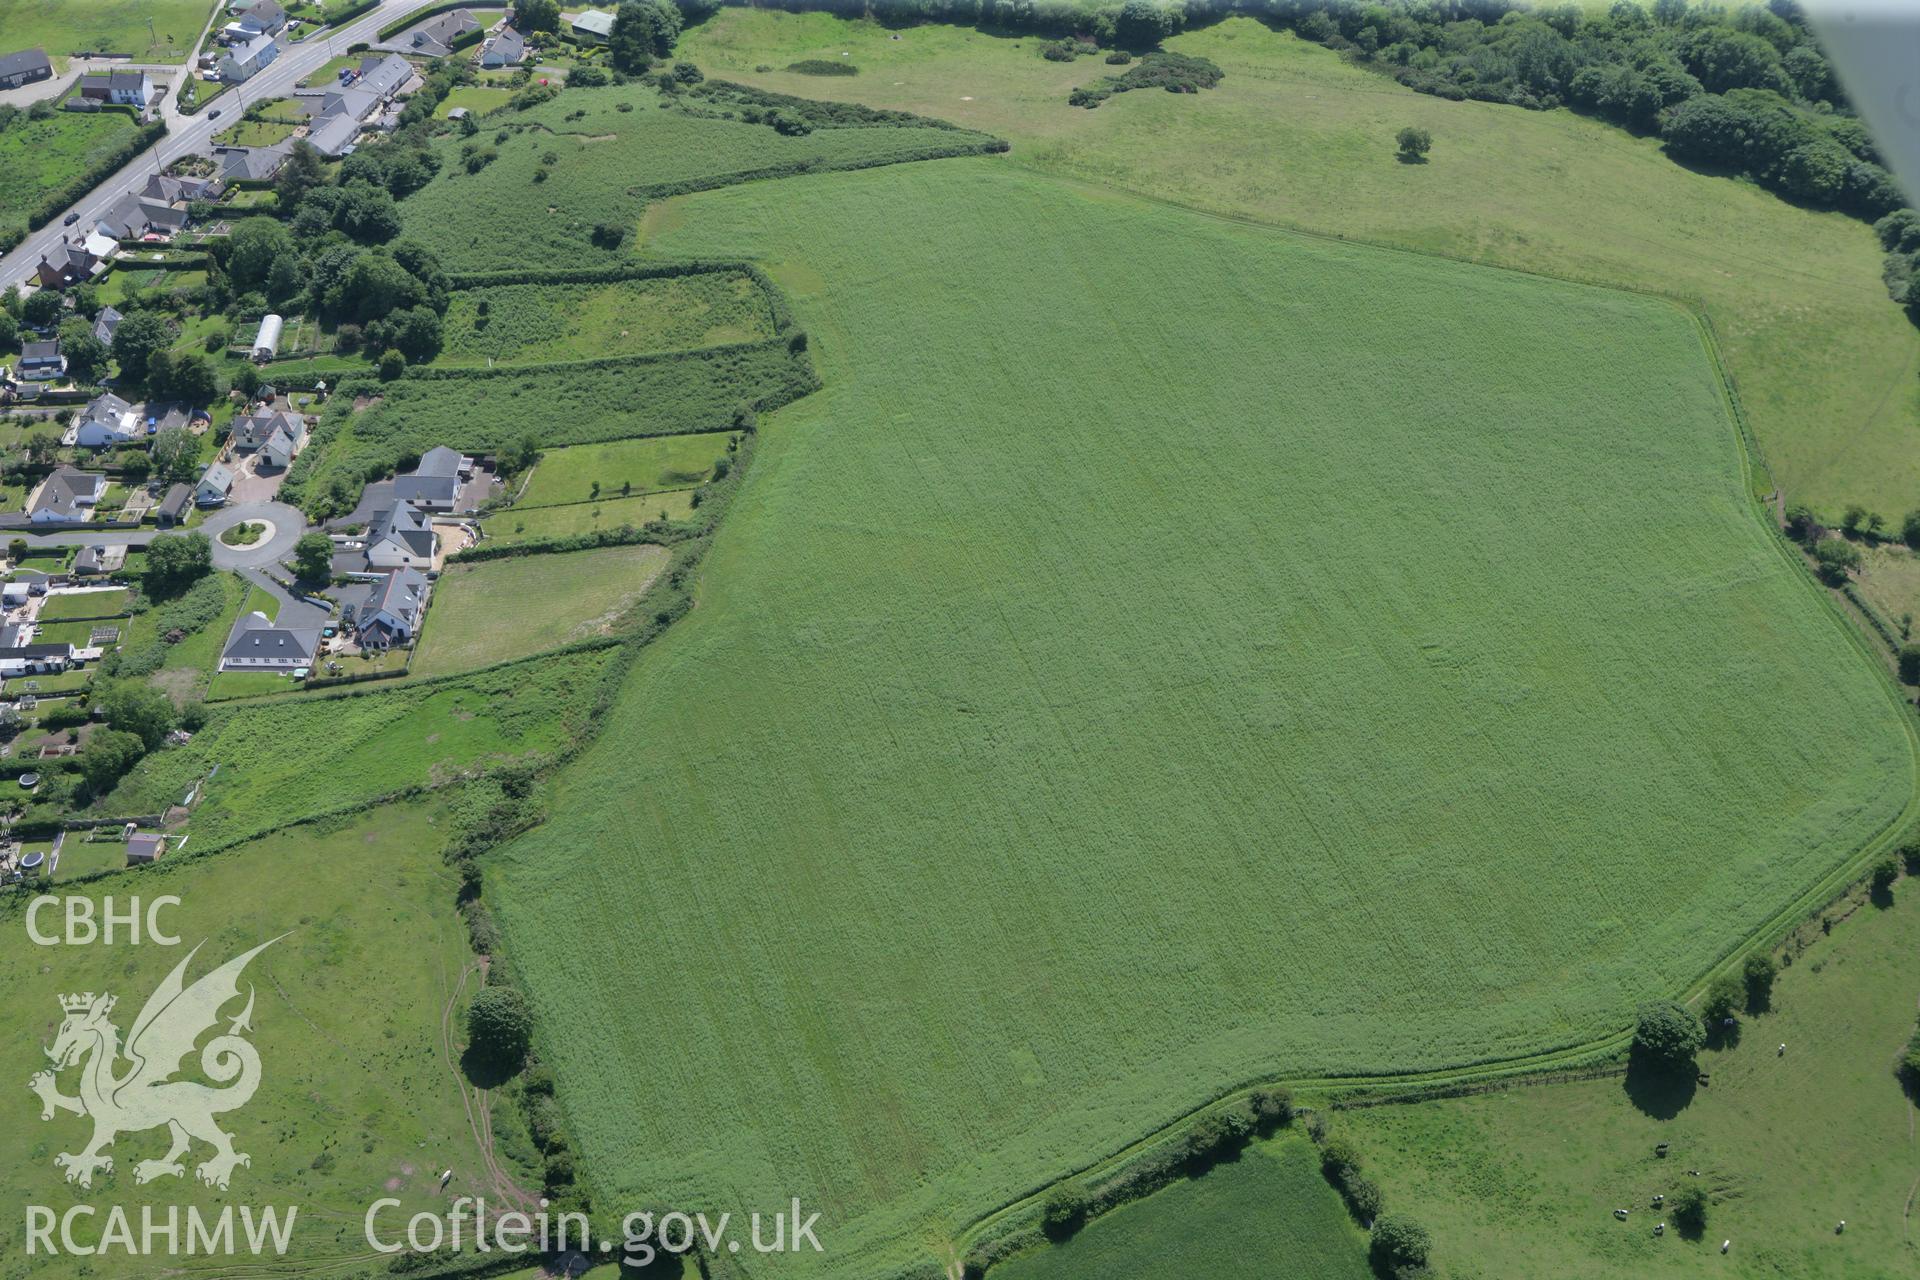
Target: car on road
214,114
70,219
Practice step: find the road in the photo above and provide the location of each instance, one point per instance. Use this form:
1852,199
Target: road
187,134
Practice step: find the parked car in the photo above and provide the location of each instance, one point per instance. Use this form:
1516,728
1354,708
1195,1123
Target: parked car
70,219
214,114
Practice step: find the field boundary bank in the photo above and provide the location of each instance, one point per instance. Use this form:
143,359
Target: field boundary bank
1576,1061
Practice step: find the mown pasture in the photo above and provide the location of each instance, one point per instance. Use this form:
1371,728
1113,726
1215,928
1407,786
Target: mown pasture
1165,662
1268,1213
587,472
263,766
539,323
1294,136
357,1098
1788,1144
66,27
487,612
602,163
531,524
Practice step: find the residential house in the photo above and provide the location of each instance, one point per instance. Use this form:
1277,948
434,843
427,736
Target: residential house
89,562
144,846
67,496
107,421
168,189
264,17
437,37
106,324
508,49
133,217
252,164
257,645
591,26
435,483
119,88
244,61
400,537
342,111
278,452
25,67
35,659
173,508
65,264
386,612
41,361
253,430
216,482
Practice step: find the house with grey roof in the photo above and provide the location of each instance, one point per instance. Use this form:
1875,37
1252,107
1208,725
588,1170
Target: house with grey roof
436,37
41,361
387,611
245,60
400,537
121,88
64,264
106,324
508,49
252,164
173,507
89,562
107,421
252,431
168,189
256,644
216,482
26,67
67,496
435,483
49,658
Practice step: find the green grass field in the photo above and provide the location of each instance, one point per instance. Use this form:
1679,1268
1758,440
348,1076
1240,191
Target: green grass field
1525,1182
480,612
598,160
1171,664
530,523
1269,1213
478,99
281,761
357,1098
38,155
664,462
1825,363
538,323
84,604
65,27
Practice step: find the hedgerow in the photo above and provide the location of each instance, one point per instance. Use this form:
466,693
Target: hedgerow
823,67
55,202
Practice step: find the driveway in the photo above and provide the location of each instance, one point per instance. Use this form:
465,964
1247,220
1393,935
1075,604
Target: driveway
375,498
293,612
285,525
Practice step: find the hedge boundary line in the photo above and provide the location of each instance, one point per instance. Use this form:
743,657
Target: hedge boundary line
75,188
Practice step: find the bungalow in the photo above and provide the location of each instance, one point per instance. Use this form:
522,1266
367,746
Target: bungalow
168,189
89,562
65,264
509,49
439,37
106,421
120,88
400,537
386,612
257,645
243,61
105,325
42,361
252,164
173,508
591,26
66,496
35,659
216,482
435,483
144,847
25,67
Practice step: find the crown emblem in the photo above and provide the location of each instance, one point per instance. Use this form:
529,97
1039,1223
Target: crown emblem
81,1003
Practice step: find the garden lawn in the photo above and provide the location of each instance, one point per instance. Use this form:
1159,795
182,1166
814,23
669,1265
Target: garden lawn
281,761
1525,1182
38,155
1121,683
1268,1213
526,524
538,323
480,614
648,466
65,605
356,1098
477,99
1825,363
65,27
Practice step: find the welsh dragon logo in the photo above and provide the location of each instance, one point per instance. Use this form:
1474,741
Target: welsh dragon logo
144,1094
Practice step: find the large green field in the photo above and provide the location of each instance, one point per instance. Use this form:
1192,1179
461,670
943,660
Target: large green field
498,610
358,1095
1187,653
1268,1213
1525,1182
38,155
536,323
1293,135
65,27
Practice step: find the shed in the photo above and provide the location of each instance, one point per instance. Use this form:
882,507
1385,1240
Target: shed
144,846
266,343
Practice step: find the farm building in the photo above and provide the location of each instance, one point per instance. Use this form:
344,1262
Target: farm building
266,343
591,26
258,645
144,846
24,68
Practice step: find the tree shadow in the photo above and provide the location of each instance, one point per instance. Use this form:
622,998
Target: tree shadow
1724,1035
1405,158
486,1071
1880,896
1659,1089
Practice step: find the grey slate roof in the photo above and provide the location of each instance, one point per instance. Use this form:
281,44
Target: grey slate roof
405,524
174,505
435,39
27,62
253,162
62,490
255,637
105,323
508,49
